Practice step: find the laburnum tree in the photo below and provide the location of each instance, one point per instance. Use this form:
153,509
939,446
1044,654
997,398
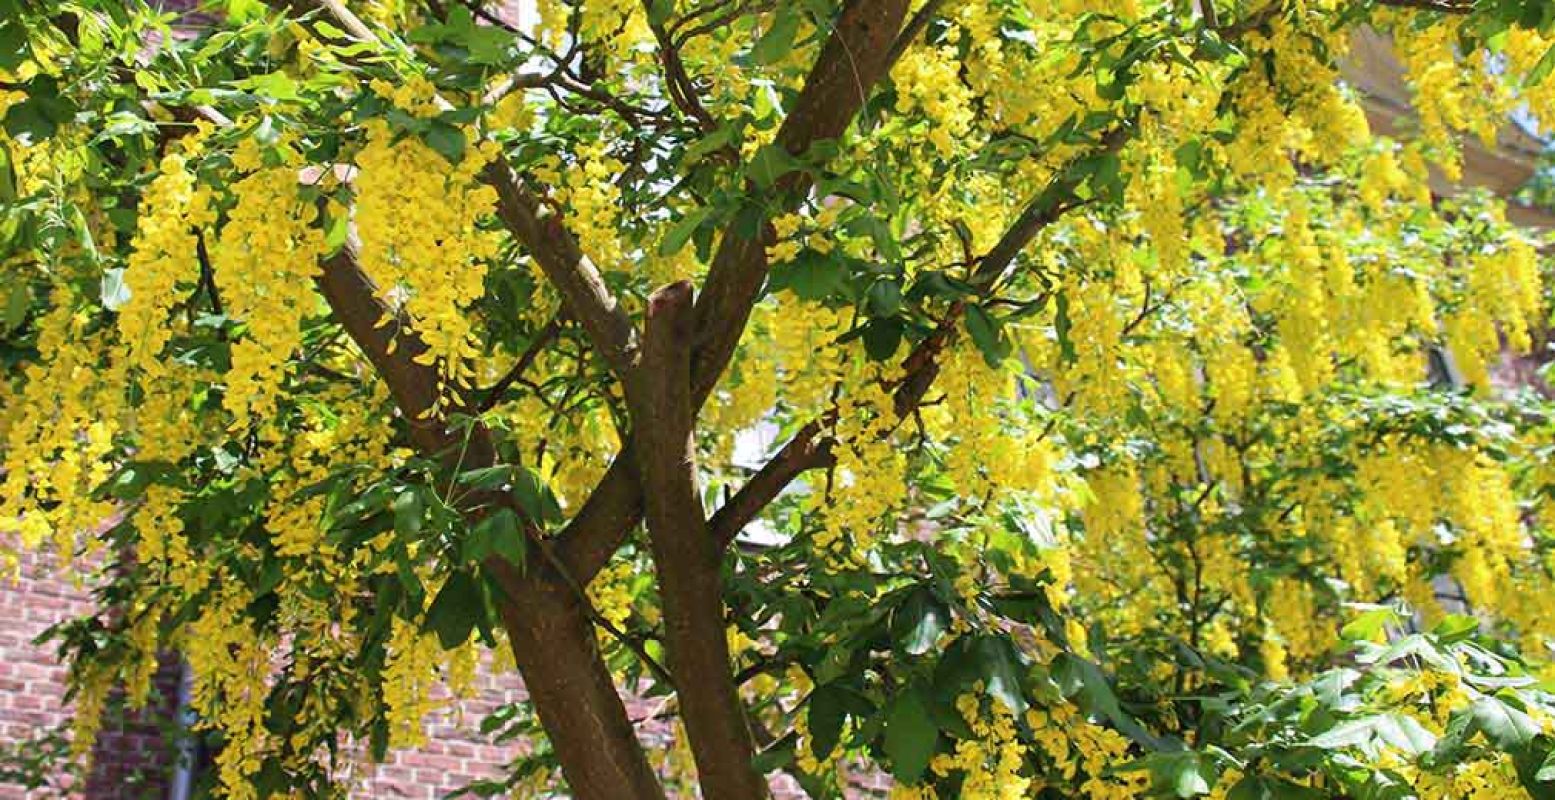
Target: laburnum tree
1066,399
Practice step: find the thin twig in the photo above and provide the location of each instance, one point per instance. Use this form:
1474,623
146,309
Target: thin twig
493,395
207,274
915,27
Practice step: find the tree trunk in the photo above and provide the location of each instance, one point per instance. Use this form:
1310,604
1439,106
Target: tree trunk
686,556
558,656
552,636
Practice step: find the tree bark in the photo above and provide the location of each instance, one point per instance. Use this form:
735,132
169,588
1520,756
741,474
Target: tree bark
687,558
550,632
855,57
556,651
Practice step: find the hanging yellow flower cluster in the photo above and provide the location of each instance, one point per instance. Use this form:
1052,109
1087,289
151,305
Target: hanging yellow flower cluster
59,436
421,243
161,268
265,263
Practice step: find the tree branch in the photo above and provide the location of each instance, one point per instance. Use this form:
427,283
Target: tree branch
914,29
677,81
809,450
688,561
853,59
392,349
207,274
492,396
547,620
587,298
1050,204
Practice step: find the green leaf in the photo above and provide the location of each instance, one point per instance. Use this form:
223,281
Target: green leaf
1370,624
535,498
339,231
1079,677
880,233
716,140
1062,324
884,298
681,231
779,39
882,338
1355,733
453,613
16,305
1181,774
445,139
910,736
827,713
7,182
1405,734
1546,771
936,284
41,114
1454,737
500,533
812,275
275,85
123,124
769,164
987,334
1508,728
660,11
1001,672
918,622
486,478
1455,627
1542,69
409,512
13,44
114,293
1250,787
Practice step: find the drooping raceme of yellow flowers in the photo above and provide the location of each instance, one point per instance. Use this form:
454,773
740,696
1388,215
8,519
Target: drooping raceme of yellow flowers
59,437
161,268
231,666
992,761
265,263
417,217
409,674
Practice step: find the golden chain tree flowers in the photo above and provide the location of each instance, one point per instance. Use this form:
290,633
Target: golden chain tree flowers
1075,399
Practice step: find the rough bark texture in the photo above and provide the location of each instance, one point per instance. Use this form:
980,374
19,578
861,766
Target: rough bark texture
552,636
687,558
853,60
557,653
583,290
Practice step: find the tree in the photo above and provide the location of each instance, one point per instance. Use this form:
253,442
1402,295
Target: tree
1122,385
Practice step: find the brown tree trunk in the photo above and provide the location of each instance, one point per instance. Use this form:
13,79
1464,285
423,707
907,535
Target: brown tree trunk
686,556
557,654
551,634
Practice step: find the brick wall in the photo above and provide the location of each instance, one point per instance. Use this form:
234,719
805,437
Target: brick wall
132,759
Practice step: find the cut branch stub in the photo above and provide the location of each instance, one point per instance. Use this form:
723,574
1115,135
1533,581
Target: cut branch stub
685,555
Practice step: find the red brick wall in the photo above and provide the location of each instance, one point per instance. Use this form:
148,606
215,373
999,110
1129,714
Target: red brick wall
32,682
132,758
